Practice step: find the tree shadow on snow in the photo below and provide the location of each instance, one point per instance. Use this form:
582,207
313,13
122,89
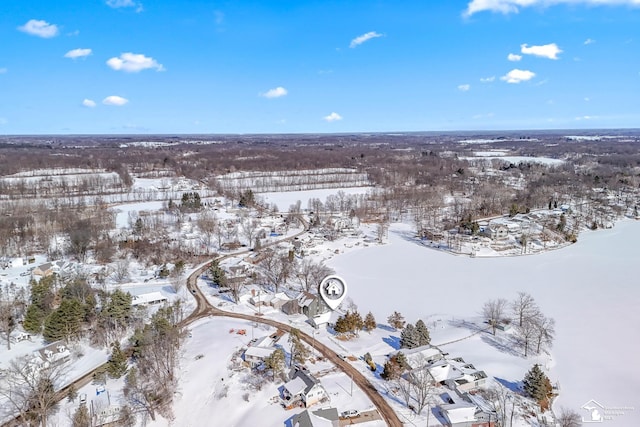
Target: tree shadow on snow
392,341
386,328
514,386
505,345
289,422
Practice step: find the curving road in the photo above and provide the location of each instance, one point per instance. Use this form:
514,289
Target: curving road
205,309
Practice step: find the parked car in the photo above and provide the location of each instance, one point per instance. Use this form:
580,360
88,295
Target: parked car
351,413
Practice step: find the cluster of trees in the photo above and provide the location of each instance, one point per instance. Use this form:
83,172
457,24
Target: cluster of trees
533,330
190,202
415,336
351,322
150,385
416,386
67,311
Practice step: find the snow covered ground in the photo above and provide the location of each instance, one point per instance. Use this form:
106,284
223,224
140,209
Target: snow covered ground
588,288
287,198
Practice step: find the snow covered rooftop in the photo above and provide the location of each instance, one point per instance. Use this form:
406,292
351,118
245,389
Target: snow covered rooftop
149,298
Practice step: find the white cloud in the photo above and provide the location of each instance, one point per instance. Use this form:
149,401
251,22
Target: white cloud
275,92
514,6
550,50
363,38
589,41
133,63
39,28
333,117
90,103
219,17
464,87
115,100
587,118
517,76
116,4
77,53
513,57
487,79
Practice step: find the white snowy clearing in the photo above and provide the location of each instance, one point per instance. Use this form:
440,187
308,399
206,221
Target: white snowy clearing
588,288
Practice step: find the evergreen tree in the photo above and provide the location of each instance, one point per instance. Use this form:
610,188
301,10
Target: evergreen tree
402,360
537,385
81,417
64,323
396,320
342,325
117,365
356,322
275,361
409,337
247,199
72,393
392,369
33,319
118,307
299,352
369,322
423,333
217,274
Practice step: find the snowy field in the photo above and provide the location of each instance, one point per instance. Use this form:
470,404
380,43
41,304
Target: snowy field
588,288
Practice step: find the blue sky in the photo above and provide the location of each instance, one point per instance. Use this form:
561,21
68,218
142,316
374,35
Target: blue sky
162,66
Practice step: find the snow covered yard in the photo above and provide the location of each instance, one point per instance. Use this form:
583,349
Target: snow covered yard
214,387
587,288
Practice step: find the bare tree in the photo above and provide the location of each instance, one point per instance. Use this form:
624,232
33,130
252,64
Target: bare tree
494,311
422,386
275,269
249,229
121,270
29,389
524,308
501,402
525,335
208,224
309,273
416,387
544,332
13,304
382,229
568,418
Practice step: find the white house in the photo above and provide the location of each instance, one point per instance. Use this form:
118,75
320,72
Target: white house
259,349
305,388
149,298
457,374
